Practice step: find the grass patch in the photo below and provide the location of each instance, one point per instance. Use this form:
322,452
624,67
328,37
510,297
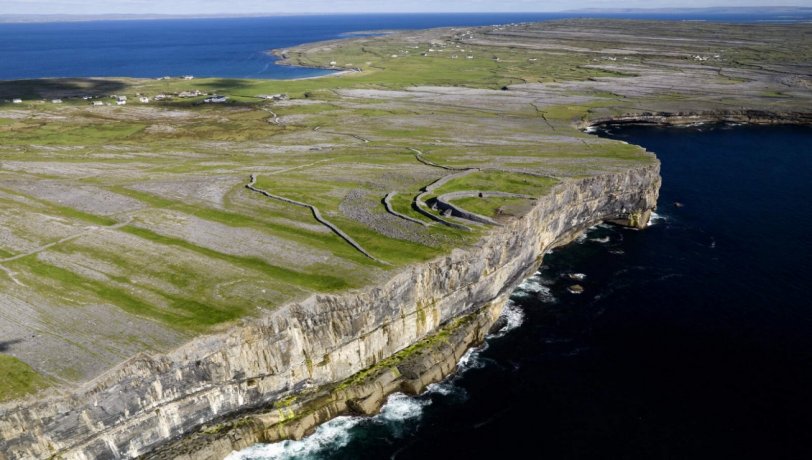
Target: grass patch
329,242
18,379
499,181
315,282
70,134
181,313
494,206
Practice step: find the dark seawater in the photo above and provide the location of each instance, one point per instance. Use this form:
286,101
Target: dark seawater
227,47
693,338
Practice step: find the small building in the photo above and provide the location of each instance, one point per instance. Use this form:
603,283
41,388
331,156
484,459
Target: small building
194,93
274,97
56,101
143,99
215,99
188,77
161,97
16,100
97,103
121,102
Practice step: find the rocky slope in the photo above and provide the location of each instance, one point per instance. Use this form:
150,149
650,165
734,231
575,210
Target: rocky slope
325,339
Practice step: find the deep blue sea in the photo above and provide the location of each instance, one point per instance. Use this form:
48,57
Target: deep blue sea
228,48
692,340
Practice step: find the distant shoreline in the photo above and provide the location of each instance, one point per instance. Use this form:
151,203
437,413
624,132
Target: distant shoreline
804,12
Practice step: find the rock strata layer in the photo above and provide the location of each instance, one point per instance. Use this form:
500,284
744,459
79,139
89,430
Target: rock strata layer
293,355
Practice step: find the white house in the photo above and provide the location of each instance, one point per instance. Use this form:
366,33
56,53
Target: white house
98,103
143,99
188,77
56,101
215,99
275,97
16,100
121,102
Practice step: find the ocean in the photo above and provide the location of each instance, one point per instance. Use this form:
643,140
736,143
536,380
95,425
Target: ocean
693,338
225,47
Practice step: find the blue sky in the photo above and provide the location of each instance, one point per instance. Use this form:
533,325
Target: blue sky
346,6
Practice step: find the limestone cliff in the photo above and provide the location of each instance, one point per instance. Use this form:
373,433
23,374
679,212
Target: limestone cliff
325,339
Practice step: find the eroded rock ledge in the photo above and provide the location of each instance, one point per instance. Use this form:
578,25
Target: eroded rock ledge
301,349
751,117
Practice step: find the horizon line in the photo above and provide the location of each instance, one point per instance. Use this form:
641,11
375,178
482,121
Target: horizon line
78,17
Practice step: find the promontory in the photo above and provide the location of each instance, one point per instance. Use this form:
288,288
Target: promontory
190,266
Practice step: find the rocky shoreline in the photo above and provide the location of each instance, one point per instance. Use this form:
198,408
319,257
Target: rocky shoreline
751,117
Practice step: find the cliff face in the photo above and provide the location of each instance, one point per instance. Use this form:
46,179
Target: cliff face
325,339
751,117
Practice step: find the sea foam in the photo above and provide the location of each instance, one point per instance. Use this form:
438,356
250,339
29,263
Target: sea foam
654,219
337,433
331,435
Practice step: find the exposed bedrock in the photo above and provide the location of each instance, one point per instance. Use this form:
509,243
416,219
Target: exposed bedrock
324,339
754,117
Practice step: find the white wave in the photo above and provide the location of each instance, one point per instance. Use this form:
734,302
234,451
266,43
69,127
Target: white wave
576,276
545,295
531,285
400,407
654,219
535,286
603,240
471,359
333,434
443,388
513,316
448,389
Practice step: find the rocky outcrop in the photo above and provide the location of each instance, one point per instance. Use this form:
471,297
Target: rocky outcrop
753,117
303,347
